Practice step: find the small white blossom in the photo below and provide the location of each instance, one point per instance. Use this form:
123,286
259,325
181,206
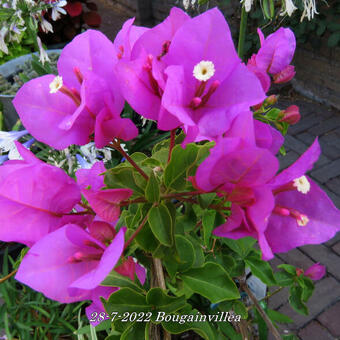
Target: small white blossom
46,26
3,46
247,4
57,9
43,55
204,70
56,84
309,9
302,184
289,8
302,221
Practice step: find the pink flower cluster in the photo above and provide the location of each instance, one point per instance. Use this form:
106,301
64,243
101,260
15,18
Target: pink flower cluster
183,73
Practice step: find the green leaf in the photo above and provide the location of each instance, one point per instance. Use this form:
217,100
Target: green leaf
283,278
114,279
268,9
160,222
212,282
146,239
208,220
334,39
295,300
152,192
183,164
199,255
125,177
134,331
160,301
308,287
278,317
206,199
288,268
126,300
240,309
261,269
241,246
186,252
201,328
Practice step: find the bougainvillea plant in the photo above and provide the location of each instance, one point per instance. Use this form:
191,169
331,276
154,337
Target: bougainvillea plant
162,242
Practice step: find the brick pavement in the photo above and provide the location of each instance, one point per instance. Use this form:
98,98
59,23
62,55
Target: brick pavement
323,322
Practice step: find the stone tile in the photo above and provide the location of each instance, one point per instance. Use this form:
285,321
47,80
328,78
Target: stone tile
331,138
315,331
324,255
326,292
335,198
296,258
330,319
306,138
325,126
323,160
278,299
334,185
327,172
336,248
288,159
334,240
295,145
304,124
330,150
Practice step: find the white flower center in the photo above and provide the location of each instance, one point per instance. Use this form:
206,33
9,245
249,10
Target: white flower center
56,84
302,184
204,70
303,220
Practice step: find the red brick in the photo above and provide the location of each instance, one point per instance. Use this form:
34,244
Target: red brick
330,319
315,331
326,292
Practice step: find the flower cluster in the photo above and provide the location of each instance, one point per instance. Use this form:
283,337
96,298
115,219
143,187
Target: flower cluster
27,15
184,74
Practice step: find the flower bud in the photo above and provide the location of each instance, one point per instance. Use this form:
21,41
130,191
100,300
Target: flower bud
271,100
285,75
291,115
316,271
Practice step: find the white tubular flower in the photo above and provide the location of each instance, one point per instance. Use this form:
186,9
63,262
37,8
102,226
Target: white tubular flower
289,8
186,4
302,184
46,26
43,55
3,33
309,9
57,9
247,4
56,84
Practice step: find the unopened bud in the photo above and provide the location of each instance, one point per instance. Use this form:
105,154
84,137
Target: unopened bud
299,271
285,75
291,115
271,100
316,271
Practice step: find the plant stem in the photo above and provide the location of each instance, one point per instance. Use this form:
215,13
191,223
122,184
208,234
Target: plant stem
117,146
8,276
136,232
172,143
243,29
263,314
271,294
180,194
158,281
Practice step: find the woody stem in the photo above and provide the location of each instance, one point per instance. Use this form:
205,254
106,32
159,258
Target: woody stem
117,146
172,143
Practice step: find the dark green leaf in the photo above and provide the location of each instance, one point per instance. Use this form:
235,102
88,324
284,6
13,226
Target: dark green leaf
152,193
186,252
261,269
212,282
278,317
160,301
116,280
295,300
160,222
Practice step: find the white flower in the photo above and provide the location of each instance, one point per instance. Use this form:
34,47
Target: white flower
204,70
56,84
302,184
3,46
43,55
289,8
57,9
309,9
46,26
7,139
247,4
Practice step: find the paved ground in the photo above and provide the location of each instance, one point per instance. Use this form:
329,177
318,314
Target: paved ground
323,323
